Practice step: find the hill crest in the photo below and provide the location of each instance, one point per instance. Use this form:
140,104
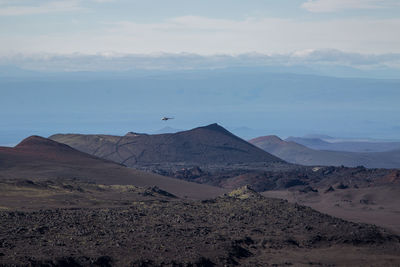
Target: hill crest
211,144
43,159
35,141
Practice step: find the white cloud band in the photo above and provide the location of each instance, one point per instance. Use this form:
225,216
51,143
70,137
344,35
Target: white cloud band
337,5
120,62
207,36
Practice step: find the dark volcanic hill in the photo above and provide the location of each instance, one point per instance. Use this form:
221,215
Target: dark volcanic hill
300,154
211,144
44,159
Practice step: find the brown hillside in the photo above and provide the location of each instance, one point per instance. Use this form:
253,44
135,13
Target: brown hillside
40,158
211,144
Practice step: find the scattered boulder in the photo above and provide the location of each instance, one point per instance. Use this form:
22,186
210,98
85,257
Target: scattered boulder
159,191
342,186
316,169
204,262
308,189
244,192
294,182
366,201
103,261
189,173
330,189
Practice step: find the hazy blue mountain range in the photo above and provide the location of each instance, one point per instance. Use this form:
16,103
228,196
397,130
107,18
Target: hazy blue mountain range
345,145
300,154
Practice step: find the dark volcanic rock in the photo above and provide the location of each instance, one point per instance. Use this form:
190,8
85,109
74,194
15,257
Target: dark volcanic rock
188,173
308,189
211,144
159,191
342,186
330,189
294,182
240,228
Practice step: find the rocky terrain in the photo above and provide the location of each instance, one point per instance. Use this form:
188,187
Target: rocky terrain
263,178
239,228
63,207
28,195
377,205
212,155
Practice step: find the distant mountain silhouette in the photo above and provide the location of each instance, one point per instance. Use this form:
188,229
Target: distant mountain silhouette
320,143
211,144
319,136
41,158
300,154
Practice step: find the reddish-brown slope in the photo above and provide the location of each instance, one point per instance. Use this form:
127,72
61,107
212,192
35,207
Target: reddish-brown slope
40,158
36,148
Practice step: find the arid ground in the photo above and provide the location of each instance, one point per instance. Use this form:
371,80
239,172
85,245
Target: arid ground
63,207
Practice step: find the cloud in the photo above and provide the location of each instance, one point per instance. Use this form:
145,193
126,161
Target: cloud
337,5
27,7
40,7
184,61
206,36
332,56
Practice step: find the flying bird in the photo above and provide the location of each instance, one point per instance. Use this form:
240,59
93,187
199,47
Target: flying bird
166,118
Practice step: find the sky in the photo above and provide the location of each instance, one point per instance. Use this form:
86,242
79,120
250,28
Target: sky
206,27
125,46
